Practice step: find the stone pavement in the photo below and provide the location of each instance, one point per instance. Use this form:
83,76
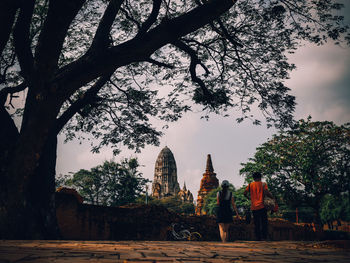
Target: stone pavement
172,251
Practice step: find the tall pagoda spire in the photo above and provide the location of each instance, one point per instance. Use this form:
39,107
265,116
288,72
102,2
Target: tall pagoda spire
209,168
208,183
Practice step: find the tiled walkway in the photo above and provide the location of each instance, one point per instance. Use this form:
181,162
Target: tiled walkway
167,251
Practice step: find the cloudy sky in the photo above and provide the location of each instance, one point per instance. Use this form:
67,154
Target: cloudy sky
320,84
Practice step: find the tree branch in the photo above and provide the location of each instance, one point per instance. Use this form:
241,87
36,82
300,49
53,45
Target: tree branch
151,18
158,63
21,37
227,35
125,12
11,90
102,33
8,10
121,90
54,31
194,62
90,67
88,98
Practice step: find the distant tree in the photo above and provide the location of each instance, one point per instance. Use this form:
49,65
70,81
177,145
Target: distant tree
242,203
335,208
96,66
109,184
210,201
305,163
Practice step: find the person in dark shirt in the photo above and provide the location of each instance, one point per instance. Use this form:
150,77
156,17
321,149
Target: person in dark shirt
224,215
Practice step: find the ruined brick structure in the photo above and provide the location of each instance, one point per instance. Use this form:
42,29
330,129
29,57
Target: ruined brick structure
79,221
165,175
185,195
208,183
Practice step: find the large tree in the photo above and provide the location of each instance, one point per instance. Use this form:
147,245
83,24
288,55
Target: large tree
109,184
305,163
95,66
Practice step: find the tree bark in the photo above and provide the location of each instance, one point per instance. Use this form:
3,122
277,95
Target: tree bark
8,135
30,172
44,199
8,10
29,211
36,217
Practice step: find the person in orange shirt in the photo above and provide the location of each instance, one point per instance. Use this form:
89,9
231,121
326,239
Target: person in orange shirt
257,190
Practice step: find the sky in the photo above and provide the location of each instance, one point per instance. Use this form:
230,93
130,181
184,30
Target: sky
321,87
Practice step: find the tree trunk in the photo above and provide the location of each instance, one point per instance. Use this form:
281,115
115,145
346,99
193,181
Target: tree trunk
8,136
28,210
45,198
317,204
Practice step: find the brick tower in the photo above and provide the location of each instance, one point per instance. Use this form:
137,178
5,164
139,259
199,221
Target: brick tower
208,183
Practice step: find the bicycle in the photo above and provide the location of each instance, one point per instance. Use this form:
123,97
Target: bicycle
180,233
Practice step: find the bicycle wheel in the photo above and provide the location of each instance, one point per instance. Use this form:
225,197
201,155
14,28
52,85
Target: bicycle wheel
185,234
195,236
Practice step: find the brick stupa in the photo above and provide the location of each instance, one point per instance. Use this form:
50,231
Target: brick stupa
208,183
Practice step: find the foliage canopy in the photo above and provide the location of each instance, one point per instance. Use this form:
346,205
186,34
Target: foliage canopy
305,163
335,208
109,184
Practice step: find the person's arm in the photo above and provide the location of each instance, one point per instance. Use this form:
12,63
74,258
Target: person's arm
245,193
267,192
235,207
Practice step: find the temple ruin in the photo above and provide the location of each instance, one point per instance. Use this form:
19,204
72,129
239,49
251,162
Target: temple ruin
208,183
185,195
165,178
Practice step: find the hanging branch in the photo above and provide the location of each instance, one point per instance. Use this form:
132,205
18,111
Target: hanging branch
151,18
101,37
21,37
193,64
89,97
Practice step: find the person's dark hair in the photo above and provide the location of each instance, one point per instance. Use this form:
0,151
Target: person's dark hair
223,192
257,175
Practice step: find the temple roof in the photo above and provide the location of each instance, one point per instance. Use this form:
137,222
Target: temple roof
166,152
165,159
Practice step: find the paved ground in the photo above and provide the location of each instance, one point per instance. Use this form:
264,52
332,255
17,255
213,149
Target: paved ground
172,251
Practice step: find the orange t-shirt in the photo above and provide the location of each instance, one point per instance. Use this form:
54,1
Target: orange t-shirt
256,195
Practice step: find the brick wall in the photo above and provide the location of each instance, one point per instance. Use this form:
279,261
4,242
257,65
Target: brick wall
144,222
